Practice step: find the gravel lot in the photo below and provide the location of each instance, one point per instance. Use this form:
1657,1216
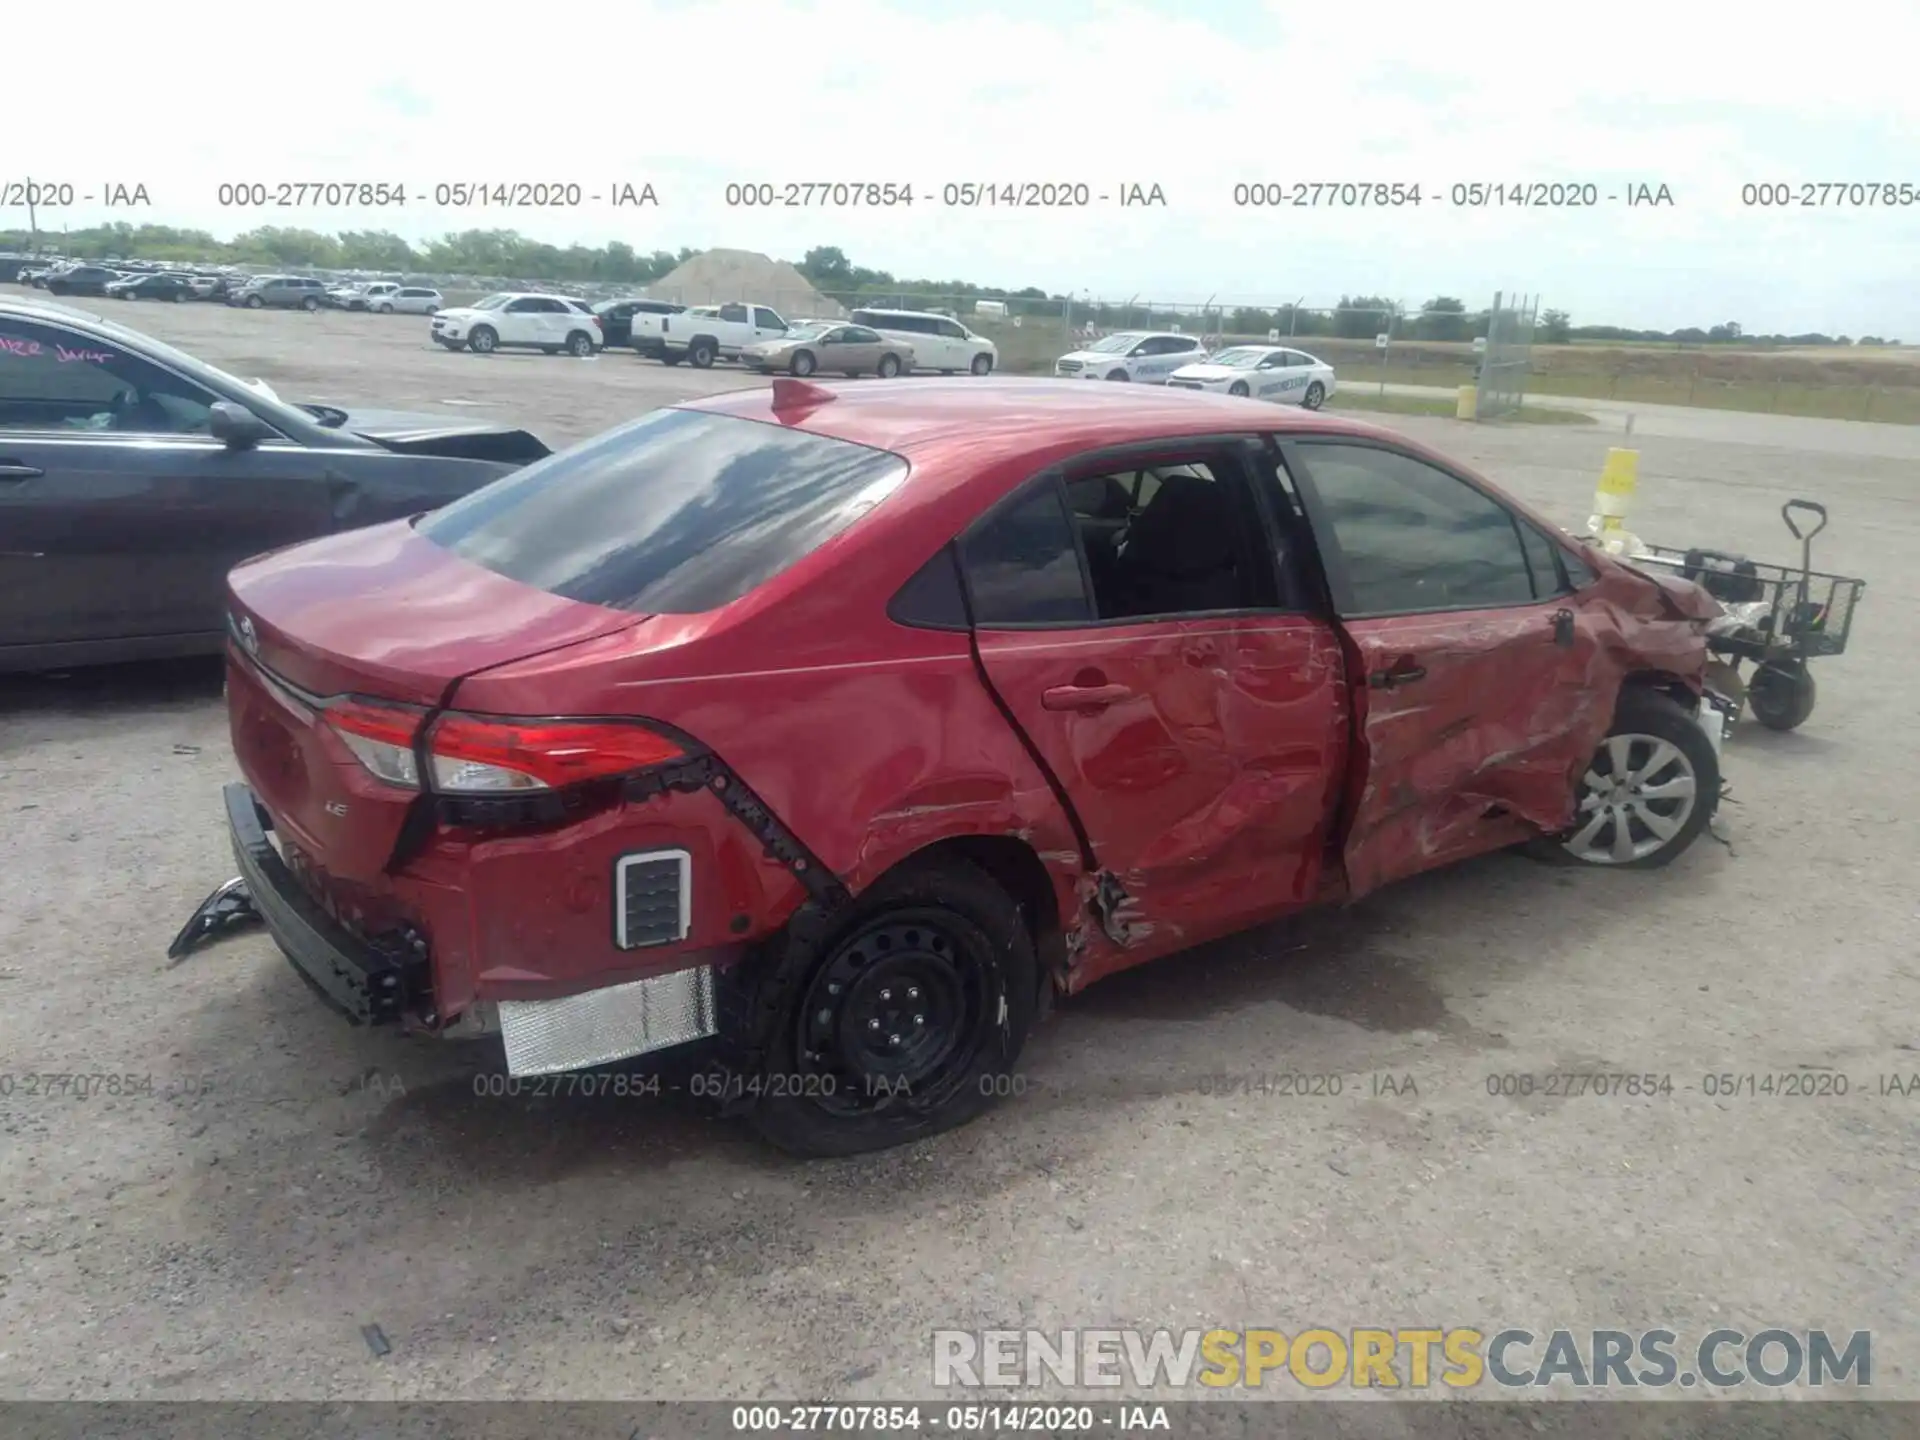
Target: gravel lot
290,1180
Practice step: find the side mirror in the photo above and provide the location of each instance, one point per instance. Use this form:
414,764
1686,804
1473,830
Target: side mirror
235,426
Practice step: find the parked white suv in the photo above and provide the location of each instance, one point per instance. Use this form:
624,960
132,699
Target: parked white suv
939,342
537,322
406,300
1149,356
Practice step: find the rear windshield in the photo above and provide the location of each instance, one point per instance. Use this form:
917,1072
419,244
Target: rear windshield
675,513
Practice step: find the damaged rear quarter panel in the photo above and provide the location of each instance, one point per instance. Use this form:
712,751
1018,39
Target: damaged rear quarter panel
868,745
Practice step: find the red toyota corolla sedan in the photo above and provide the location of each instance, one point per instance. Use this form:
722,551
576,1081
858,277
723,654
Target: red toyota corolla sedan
844,726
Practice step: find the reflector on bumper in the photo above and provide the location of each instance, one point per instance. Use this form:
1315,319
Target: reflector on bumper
598,1027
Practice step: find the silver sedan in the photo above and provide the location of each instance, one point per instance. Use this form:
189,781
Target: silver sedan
849,349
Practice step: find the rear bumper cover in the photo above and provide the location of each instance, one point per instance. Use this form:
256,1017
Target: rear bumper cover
368,984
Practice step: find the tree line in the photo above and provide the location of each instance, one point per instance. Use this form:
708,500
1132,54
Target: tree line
506,253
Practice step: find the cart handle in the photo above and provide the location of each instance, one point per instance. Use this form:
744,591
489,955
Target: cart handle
1786,514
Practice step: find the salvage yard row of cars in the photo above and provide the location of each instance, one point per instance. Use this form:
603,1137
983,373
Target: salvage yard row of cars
150,280
881,342
1118,670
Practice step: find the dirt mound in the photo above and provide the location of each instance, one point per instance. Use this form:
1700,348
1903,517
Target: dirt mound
714,277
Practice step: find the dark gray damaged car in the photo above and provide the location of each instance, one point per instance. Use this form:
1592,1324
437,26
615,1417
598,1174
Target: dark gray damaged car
133,477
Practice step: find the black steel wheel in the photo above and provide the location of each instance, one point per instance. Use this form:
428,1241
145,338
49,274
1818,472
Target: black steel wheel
1781,694
910,1020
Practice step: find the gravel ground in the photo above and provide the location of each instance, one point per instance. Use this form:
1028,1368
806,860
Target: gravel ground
289,1180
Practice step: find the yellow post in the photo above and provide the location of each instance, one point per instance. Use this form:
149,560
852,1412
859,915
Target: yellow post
1469,403
1613,496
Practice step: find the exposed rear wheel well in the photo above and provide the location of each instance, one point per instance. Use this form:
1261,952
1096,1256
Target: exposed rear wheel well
1016,868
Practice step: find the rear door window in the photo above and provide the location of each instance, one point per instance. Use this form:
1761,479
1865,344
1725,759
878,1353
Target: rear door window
677,513
1022,567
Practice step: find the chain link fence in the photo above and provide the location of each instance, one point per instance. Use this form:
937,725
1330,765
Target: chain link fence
1508,358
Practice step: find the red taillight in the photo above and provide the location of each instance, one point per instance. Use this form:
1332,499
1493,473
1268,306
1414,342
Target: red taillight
374,722
381,738
475,755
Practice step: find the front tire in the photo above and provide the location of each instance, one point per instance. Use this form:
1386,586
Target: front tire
802,365
1649,791
388,310
908,1022
888,367
1239,387
310,304
982,365
1781,694
1119,375
1315,397
483,340
254,302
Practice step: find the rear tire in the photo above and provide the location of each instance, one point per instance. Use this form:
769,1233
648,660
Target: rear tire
909,1021
483,339
700,355
1781,694
1654,774
1315,397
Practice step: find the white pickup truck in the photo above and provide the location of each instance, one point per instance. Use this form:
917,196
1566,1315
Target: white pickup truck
705,333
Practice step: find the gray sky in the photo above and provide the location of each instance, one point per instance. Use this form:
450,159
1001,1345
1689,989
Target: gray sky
1194,97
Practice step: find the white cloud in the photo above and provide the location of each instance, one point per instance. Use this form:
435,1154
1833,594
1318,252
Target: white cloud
1192,97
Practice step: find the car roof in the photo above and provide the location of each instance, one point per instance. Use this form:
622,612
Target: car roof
48,310
999,417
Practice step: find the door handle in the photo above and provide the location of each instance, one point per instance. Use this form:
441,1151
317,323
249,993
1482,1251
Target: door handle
1083,697
1401,672
12,472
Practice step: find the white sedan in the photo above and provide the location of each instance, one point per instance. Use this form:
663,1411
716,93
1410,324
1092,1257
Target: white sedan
1148,356
1265,372
536,322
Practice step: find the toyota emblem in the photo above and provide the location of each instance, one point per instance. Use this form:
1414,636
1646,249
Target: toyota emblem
247,636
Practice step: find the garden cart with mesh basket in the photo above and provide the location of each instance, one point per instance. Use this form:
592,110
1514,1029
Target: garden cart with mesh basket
1778,617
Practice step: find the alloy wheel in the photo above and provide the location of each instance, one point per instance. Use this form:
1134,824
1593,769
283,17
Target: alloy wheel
1635,798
